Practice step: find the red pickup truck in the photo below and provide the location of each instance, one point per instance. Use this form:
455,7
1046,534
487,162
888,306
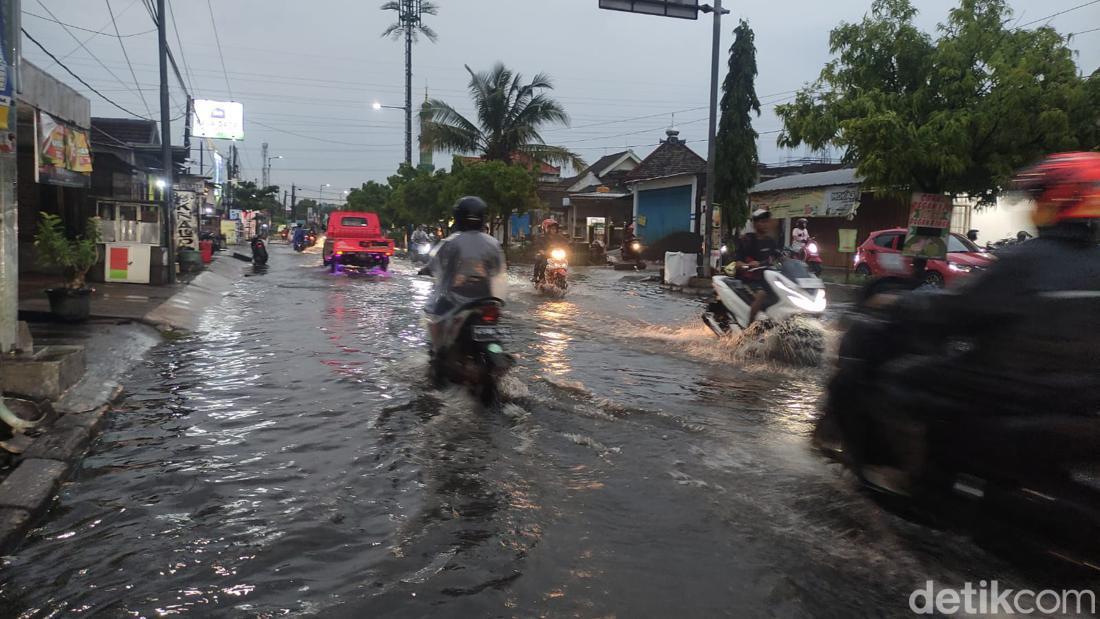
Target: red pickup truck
355,240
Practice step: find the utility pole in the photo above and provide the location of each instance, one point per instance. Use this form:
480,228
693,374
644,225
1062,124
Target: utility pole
9,197
712,145
267,165
413,13
293,201
166,142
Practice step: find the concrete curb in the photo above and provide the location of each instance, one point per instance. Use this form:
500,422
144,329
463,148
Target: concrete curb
26,494
182,310
29,490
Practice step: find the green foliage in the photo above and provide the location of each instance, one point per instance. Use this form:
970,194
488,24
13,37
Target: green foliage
74,256
507,189
736,155
248,196
510,115
371,197
955,114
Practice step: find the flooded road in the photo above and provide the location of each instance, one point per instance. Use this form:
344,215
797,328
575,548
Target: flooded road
289,458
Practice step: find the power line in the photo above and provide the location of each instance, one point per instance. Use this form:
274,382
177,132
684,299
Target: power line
97,32
218,40
1073,34
1074,8
179,42
78,78
127,57
303,135
77,39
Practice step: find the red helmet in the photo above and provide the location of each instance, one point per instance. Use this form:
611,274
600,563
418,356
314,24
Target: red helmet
1065,186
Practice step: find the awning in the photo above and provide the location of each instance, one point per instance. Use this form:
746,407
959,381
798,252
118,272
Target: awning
835,201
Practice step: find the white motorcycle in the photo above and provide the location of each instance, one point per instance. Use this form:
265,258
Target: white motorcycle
792,291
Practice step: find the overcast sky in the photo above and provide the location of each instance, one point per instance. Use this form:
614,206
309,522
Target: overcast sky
307,72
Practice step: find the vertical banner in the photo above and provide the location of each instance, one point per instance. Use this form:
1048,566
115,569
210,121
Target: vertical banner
929,223
187,224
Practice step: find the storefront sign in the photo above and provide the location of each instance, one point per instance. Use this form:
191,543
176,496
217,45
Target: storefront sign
837,201
929,224
220,120
847,240
62,154
187,224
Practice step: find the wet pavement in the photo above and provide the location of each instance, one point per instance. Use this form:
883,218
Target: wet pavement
289,458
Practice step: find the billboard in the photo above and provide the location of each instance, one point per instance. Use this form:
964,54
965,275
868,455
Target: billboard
220,120
929,224
683,9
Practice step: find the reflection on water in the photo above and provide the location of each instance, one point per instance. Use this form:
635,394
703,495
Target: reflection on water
290,459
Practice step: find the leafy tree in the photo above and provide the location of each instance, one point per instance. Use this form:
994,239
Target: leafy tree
507,189
302,208
957,114
510,115
250,197
737,158
412,197
371,196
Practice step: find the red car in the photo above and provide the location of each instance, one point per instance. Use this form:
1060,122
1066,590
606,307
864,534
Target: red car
355,240
881,255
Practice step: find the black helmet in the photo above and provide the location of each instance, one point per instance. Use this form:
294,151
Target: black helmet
469,213
801,221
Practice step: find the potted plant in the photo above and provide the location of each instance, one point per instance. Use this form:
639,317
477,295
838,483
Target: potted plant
75,257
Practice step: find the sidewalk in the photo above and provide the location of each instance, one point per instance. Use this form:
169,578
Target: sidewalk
34,465
160,306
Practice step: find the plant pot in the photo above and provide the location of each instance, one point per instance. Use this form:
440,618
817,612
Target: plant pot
69,304
190,261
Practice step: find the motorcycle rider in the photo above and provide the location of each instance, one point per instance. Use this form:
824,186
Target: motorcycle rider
628,240
800,235
420,237
299,235
552,237
470,264
1034,349
756,248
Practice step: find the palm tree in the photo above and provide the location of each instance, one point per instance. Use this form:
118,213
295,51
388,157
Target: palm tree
409,23
509,117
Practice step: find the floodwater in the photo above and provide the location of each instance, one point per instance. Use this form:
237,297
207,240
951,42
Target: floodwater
290,458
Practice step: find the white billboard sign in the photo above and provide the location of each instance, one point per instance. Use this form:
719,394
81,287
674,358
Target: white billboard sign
683,9
219,120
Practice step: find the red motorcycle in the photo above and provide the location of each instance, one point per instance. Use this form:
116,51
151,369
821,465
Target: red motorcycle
809,254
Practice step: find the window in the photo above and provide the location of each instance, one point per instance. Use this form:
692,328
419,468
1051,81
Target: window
354,222
886,241
958,244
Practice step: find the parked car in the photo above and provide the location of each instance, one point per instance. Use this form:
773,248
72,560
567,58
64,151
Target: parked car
880,255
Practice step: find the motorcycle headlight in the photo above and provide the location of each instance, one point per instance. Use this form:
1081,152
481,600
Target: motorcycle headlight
812,247
960,268
724,249
558,254
802,301
636,246
423,248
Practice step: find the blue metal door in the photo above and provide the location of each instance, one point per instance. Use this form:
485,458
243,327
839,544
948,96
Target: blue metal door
663,212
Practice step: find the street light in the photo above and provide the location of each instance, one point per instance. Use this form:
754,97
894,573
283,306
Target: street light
267,168
408,127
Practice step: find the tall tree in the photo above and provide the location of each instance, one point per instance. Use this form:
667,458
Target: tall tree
737,158
957,114
410,24
510,115
371,196
507,189
251,197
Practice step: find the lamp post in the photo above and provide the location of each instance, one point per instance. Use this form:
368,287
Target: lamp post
267,169
408,128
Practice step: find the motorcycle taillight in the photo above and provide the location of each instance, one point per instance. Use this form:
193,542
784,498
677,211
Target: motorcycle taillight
490,314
